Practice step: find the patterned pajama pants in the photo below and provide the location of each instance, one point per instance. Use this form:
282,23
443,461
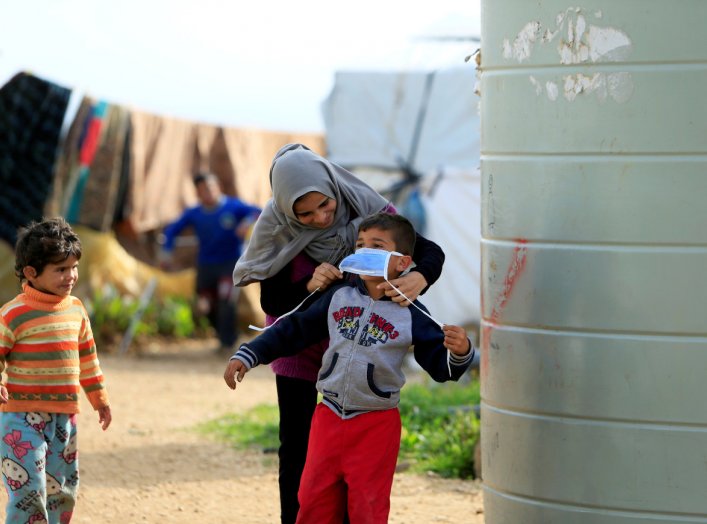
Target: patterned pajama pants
39,466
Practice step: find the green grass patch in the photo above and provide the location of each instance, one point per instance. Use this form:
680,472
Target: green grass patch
439,433
440,428
255,428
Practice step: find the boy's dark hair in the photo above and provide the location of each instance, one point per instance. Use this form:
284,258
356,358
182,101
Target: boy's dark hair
203,176
47,242
401,228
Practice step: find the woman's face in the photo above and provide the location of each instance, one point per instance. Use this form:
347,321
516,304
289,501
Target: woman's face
315,209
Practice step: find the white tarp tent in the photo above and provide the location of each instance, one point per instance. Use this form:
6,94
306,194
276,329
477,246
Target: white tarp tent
453,221
426,119
382,124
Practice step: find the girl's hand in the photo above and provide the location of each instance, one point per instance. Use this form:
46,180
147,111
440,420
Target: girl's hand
455,340
324,275
411,284
3,395
104,417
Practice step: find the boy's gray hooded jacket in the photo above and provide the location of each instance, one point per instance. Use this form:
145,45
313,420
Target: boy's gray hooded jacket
368,340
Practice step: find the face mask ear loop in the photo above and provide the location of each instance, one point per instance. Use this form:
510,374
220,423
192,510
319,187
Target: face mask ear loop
256,328
449,366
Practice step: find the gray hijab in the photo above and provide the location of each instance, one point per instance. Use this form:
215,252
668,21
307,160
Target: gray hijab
278,236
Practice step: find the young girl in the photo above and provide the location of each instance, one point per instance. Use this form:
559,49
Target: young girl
47,353
309,225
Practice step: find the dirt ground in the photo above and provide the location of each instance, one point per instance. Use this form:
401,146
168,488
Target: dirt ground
150,466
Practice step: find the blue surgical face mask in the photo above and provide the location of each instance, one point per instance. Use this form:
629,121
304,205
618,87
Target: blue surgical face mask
369,262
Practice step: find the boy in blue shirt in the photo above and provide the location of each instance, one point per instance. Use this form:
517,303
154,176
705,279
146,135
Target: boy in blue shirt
355,433
220,223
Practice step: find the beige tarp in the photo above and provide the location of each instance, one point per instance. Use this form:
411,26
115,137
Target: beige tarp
251,153
166,152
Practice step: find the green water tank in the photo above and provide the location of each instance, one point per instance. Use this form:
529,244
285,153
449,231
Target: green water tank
594,261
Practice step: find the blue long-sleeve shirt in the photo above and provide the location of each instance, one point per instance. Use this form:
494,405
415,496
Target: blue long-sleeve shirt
215,228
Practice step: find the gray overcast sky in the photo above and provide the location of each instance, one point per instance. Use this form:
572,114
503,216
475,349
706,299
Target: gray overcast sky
266,64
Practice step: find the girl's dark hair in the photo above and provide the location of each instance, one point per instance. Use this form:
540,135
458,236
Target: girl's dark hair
402,230
47,242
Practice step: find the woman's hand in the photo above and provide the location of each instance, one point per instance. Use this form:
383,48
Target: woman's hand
324,275
411,284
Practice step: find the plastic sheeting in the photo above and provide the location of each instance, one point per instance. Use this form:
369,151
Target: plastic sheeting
379,124
423,120
453,221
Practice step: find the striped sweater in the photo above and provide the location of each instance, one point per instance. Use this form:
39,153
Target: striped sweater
47,353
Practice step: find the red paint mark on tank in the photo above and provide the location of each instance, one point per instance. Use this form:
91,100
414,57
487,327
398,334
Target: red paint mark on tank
515,269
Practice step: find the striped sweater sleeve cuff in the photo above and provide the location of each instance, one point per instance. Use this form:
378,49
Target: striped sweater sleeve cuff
247,356
98,399
470,357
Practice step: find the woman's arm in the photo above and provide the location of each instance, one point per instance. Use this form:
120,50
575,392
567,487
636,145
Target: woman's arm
429,259
279,294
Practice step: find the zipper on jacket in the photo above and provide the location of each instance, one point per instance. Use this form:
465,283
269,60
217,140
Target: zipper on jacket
354,350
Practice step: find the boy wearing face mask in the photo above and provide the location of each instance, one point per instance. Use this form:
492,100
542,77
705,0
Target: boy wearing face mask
355,432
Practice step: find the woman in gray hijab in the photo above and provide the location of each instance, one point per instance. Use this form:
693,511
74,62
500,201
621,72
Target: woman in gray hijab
304,231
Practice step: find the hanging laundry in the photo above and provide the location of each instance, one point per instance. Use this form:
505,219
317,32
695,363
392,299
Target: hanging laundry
89,172
31,114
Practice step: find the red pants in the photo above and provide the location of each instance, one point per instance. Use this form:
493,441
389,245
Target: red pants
349,463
